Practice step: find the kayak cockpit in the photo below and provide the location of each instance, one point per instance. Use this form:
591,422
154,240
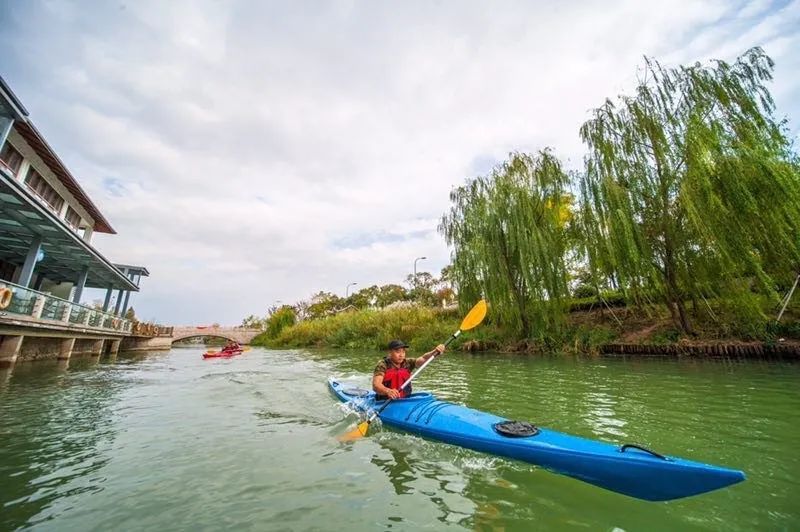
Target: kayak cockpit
416,396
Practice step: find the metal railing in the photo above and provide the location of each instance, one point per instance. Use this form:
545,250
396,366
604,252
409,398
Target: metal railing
35,304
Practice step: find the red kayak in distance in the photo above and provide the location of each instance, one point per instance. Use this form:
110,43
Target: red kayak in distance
223,353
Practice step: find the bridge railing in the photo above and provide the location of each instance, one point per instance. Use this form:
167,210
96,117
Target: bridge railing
141,328
31,303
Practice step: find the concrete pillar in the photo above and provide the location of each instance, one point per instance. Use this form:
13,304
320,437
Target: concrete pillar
119,303
30,262
113,346
87,235
97,348
125,306
80,284
108,299
65,351
9,349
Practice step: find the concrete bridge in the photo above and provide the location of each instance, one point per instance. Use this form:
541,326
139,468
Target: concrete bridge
238,334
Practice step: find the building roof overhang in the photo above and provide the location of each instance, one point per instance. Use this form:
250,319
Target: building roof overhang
131,269
66,255
10,104
36,141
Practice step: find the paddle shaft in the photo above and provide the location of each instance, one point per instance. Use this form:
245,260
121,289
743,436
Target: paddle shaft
412,377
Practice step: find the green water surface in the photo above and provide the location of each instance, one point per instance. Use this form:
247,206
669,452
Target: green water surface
169,441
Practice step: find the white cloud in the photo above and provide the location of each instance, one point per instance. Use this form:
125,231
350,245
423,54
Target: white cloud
265,151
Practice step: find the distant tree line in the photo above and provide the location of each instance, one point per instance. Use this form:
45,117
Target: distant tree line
423,289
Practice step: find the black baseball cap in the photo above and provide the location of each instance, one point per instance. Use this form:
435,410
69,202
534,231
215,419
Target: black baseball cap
397,344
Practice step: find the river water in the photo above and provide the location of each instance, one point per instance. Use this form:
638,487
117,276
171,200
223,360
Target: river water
169,441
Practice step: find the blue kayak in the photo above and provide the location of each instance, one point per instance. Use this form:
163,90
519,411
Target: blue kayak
626,469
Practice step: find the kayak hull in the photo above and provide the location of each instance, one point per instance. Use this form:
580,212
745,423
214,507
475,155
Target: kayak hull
630,471
222,354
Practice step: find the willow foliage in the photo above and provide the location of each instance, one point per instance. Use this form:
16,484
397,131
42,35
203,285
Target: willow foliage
507,231
691,188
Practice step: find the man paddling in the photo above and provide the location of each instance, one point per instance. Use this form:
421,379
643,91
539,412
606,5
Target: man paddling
395,369
231,346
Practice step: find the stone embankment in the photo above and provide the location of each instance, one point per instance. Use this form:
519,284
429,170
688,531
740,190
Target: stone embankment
779,350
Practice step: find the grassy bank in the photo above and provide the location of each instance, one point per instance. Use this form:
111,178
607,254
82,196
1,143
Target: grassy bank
588,328
421,327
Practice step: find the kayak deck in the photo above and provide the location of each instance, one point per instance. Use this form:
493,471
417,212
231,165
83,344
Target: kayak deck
630,470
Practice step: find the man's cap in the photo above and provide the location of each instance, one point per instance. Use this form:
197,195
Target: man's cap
397,344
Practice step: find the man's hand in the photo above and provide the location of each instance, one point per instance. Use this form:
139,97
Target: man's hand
439,348
392,394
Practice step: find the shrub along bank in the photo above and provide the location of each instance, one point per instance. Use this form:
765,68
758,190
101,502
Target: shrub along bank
586,331
421,327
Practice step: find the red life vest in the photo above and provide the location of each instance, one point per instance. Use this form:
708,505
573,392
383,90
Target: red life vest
395,377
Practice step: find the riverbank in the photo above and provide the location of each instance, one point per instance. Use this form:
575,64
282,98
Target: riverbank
600,329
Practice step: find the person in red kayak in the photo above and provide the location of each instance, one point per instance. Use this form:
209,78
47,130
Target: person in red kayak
395,369
231,346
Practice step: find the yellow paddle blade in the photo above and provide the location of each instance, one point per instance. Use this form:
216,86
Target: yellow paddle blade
359,432
475,316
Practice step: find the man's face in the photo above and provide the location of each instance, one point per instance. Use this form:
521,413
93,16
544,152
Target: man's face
397,355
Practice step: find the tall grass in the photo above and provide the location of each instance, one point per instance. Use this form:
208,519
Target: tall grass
421,327
425,327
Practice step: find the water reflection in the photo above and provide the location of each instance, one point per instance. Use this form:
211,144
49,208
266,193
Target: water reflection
265,426
601,415
57,435
397,467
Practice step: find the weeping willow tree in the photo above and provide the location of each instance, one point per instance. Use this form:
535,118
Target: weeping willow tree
507,232
691,189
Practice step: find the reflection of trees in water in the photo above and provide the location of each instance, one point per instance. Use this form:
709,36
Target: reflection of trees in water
433,470
398,468
56,425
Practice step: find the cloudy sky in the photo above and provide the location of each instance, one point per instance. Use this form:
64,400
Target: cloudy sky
248,152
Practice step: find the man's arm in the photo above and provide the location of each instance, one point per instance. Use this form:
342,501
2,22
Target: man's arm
377,385
436,351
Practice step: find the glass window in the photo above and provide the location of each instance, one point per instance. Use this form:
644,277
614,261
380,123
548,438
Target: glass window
11,158
73,218
37,184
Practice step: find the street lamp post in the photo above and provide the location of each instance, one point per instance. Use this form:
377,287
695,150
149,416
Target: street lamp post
347,290
415,269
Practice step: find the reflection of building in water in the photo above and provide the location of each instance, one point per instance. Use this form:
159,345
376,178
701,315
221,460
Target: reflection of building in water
56,442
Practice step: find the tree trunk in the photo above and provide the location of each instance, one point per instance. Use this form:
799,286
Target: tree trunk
515,289
685,325
674,296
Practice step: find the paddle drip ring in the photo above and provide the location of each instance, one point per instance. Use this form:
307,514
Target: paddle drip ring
516,429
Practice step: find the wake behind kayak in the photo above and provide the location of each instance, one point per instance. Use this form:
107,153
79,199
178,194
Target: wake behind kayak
627,469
